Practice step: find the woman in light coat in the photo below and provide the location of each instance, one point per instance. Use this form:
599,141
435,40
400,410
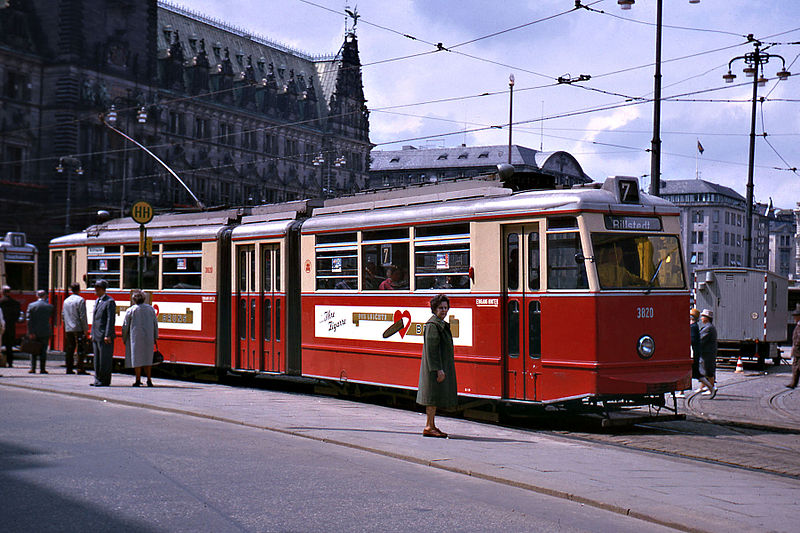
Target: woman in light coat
140,331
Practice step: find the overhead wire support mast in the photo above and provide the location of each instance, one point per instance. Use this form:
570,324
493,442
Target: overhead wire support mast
198,203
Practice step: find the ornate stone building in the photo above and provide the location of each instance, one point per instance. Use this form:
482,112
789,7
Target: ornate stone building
242,119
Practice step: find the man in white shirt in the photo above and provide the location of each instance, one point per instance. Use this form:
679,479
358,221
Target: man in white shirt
75,327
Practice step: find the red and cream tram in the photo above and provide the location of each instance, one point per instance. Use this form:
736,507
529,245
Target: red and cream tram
19,264
557,296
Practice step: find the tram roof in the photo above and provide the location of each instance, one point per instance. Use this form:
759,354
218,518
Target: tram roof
496,202
260,220
201,226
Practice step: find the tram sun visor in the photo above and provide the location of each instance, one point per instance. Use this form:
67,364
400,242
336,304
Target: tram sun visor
625,188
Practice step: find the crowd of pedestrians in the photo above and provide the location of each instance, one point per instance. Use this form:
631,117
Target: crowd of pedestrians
139,333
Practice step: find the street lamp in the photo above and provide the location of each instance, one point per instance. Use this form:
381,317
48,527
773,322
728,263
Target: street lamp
655,144
510,112
337,162
65,164
754,63
112,117
106,119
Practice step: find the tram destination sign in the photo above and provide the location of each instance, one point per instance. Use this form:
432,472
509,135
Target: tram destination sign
617,222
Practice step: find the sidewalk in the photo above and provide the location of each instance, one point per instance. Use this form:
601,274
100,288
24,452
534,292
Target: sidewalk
687,495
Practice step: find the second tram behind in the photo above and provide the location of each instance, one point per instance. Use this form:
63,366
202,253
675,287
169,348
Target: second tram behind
557,297
19,261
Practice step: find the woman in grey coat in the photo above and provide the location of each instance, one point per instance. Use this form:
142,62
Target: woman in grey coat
140,331
437,372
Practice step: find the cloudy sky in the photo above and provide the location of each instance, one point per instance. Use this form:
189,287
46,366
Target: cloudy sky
606,122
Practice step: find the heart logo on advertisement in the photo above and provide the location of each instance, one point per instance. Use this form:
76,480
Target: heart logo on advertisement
155,306
403,315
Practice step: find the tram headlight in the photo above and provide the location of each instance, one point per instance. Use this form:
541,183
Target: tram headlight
646,346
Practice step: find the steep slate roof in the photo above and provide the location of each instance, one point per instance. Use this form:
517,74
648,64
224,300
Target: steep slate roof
468,157
193,26
697,187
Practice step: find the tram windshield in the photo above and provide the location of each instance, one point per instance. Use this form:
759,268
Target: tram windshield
19,276
626,261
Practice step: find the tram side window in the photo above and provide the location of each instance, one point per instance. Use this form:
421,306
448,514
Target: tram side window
384,254
182,264
565,268
441,257
337,262
130,269
103,263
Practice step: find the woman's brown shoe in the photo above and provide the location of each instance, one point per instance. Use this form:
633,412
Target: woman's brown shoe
434,432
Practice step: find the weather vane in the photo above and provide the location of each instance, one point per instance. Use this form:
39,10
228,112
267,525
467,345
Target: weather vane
351,14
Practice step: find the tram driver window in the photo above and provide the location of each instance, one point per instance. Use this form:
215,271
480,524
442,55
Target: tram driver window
565,268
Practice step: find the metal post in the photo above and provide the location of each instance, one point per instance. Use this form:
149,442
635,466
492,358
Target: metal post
510,112
140,259
655,144
748,237
69,201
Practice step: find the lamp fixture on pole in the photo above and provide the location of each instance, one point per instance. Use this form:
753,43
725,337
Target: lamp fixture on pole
754,61
65,164
107,122
655,144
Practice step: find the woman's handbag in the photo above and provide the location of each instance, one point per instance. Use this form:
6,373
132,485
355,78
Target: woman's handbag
158,357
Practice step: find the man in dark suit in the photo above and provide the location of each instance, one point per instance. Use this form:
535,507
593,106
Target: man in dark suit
105,313
10,309
40,315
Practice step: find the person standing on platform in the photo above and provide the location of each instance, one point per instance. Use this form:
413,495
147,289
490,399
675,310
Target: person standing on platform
75,327
9,307
437,372
694,337
103,322
707,365
795,348
139,332
40,328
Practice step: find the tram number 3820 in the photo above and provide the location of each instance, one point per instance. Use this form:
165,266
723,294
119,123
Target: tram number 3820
644,312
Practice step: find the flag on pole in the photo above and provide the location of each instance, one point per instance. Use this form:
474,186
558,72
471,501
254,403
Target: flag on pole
700,147
769,208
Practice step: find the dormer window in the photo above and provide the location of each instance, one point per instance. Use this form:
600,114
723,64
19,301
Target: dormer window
441,157
167,33
394,160
193,42
462,156
483,155
240,58
217,48
262,61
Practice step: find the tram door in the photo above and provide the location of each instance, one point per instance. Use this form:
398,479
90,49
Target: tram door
271,338
522,309
246,309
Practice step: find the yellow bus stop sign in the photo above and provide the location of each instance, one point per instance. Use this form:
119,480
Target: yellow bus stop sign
142,212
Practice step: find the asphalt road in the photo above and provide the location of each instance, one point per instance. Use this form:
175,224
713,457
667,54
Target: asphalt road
71,464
